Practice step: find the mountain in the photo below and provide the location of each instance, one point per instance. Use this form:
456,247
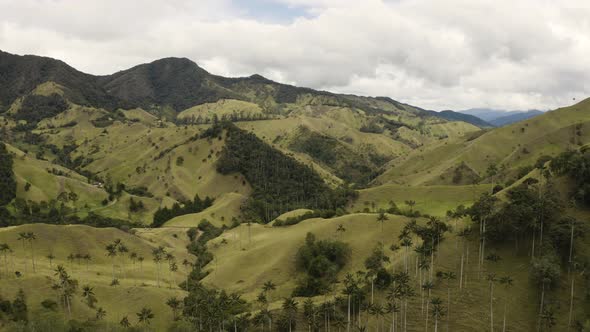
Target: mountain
458,116
244,180
513,117
499,118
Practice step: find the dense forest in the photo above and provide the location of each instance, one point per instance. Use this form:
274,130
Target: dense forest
7,181
196,205
280,183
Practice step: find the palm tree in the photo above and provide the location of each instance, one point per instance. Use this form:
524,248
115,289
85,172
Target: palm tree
449,276
428,286
71,257
290,308
125,322
158,254
186,265
122,250
491,279
140,259
406,243
340,230
394,247
437,311
87,258
382,217
172,267
175,305
145,315
309,311
411,204
31,237
112,253
100,313
5,248
507,282
22,236
268,287
350,287
88,295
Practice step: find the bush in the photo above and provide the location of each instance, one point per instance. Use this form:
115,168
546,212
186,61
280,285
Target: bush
321,260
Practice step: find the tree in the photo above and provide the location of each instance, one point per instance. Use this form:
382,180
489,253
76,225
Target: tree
411,204
268,287
175,305
5,249
125,322
145,315
309,311
88,295
382,217
158,256
112,253
507,283
491,280
121,251
22,236
449,276
67,287
19,307
31,237
100,313
290,309
427,286
340,230
438,311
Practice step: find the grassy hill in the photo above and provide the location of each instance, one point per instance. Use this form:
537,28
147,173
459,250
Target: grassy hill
510,147
138,284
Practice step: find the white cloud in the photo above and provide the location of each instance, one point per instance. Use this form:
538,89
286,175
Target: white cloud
450,54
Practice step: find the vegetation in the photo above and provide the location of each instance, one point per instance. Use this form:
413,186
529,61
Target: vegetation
321,260
7,181
279,182
164,214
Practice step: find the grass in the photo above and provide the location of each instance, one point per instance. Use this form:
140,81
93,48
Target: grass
222,212
517,145
137,285
433,200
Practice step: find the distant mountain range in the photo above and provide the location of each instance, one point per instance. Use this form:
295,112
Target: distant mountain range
458,116
500,118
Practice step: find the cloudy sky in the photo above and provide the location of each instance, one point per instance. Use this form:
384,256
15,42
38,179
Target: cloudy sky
451,54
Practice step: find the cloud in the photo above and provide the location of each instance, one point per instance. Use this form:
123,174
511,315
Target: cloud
454,54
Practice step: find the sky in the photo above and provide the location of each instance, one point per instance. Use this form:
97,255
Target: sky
451,54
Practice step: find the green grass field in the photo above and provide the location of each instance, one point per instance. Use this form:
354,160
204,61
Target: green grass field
138,283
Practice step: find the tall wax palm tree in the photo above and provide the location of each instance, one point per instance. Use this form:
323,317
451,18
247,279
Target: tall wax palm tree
31,237
187,266
100,313
112,253
428,286
491,279
340,230
290,309
158,255
438,311
5,249
268,287
88,295
449,276
394,247
507,283
124,322
87,258
174,304
382,218
145,315
23,237
121,251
